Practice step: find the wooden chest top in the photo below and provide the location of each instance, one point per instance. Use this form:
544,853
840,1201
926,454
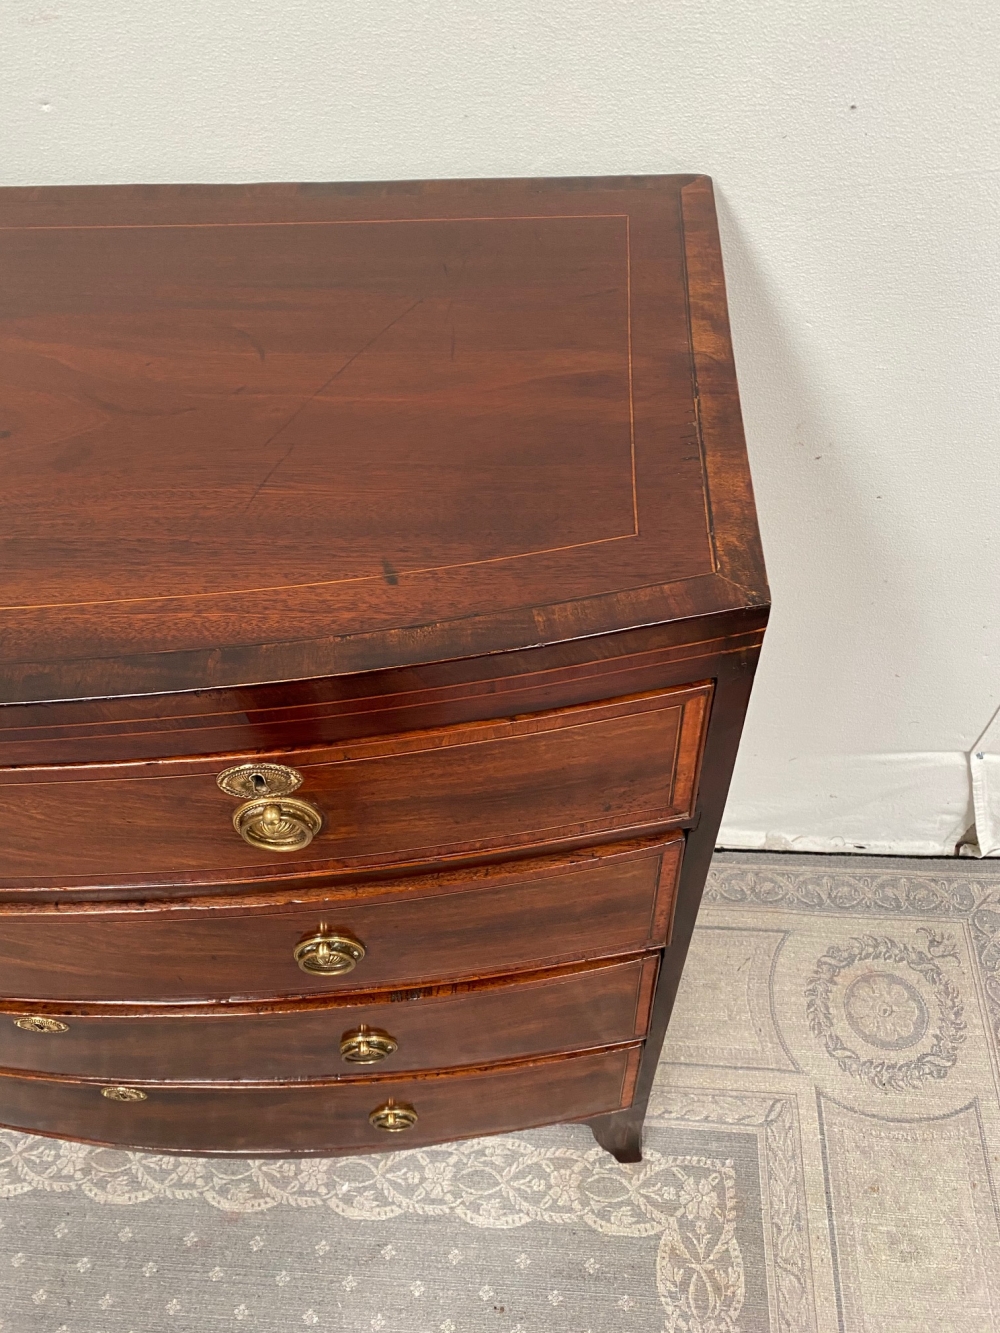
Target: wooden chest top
253,434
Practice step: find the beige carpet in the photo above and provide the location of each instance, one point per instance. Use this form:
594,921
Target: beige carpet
820,1158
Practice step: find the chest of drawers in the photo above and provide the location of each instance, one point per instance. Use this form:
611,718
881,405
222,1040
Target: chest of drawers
381,595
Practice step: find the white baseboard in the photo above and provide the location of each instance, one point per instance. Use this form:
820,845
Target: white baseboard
984,763
886,804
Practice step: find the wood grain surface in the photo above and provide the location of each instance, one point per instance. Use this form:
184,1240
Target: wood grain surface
471,1023
323,1118
410,799
270,433
437,492
295,715
616,899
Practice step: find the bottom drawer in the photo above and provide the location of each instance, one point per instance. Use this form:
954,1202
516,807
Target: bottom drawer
322,1118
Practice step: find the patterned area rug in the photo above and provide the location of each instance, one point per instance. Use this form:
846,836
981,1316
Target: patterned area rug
820,1157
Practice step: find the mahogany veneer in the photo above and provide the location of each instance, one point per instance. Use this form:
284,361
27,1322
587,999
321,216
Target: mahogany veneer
518,915
434,495
436,1027
403,800
326,1118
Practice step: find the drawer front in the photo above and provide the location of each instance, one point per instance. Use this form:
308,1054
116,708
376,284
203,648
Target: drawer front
611,900
323,1118
483,787
465,1025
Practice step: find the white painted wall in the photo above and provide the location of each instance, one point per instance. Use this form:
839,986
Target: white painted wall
854,146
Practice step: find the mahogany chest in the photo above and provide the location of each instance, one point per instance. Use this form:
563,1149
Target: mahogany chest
380,594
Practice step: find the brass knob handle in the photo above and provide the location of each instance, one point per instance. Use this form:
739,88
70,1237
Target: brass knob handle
277,824
35,1023
120,1094
393,1117
329,953
366,1046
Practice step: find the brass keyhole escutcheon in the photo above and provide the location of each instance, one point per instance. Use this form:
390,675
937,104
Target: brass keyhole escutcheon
366,1046
36,1023
249,781
121,1094
393,1117
329,953
277,824
270,817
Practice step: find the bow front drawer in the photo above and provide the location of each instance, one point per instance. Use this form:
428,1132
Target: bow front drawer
482,921
373,1115
438,1027
404,800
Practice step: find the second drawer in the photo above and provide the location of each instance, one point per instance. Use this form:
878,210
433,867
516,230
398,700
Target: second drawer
477,922
440,1028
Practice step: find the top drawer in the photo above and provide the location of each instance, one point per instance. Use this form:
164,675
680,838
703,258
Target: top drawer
409,799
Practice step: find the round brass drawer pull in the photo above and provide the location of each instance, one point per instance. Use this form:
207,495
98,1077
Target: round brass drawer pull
329,953
366,1046
279,824
120,1094
392,1117
35,1023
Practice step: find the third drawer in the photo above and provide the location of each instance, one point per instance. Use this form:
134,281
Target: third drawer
492,1020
